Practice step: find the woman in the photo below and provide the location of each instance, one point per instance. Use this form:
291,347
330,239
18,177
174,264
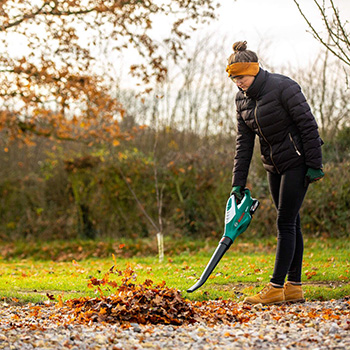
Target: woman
273,107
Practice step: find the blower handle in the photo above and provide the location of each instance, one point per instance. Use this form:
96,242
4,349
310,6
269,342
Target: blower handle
254,206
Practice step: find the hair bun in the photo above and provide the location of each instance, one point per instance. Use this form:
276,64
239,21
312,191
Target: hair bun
239,46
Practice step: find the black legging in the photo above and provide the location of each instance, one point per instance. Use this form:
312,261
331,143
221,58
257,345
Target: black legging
288,191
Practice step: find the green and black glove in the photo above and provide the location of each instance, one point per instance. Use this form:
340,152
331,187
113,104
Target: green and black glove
313,175
238,192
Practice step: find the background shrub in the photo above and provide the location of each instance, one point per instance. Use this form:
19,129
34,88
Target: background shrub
62,190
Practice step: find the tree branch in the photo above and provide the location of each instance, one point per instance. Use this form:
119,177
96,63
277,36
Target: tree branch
137,200
318,37
22,19
332,35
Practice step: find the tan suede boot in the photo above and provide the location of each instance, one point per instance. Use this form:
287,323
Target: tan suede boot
269,295
293,293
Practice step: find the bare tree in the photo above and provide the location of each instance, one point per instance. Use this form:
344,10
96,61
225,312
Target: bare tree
323,85
336,37
196,95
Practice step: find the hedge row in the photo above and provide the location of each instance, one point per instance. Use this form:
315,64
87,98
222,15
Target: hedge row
51,191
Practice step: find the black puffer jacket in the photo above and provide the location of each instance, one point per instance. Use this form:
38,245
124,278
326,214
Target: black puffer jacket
275,109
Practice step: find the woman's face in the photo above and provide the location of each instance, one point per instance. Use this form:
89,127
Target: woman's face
243,81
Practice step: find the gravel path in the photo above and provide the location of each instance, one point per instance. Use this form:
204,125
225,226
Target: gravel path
312,325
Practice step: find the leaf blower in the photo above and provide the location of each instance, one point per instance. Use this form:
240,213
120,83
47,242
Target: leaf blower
237,219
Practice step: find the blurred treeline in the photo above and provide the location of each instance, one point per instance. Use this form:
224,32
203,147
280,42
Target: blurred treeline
177,166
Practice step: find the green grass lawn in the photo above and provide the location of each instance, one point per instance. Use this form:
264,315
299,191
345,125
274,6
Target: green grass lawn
243,270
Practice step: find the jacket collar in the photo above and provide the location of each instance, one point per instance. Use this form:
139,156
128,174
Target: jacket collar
257,85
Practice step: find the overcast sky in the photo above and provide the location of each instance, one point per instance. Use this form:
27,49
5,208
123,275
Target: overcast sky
274,29
277,24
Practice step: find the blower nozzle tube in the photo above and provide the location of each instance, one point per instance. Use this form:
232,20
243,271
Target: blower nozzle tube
223,246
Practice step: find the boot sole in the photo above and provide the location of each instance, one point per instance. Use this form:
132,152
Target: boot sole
275,303
272,303
295,301
292,301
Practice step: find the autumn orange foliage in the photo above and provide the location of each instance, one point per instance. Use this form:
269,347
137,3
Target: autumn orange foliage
129,302
147,303
53,82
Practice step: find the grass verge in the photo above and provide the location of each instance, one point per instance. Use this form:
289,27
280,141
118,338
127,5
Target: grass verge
244,270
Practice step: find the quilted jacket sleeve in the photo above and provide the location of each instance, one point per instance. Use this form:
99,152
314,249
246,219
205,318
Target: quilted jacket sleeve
244,151
295,102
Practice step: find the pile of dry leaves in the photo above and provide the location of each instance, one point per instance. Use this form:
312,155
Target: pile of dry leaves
127,302
146,303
